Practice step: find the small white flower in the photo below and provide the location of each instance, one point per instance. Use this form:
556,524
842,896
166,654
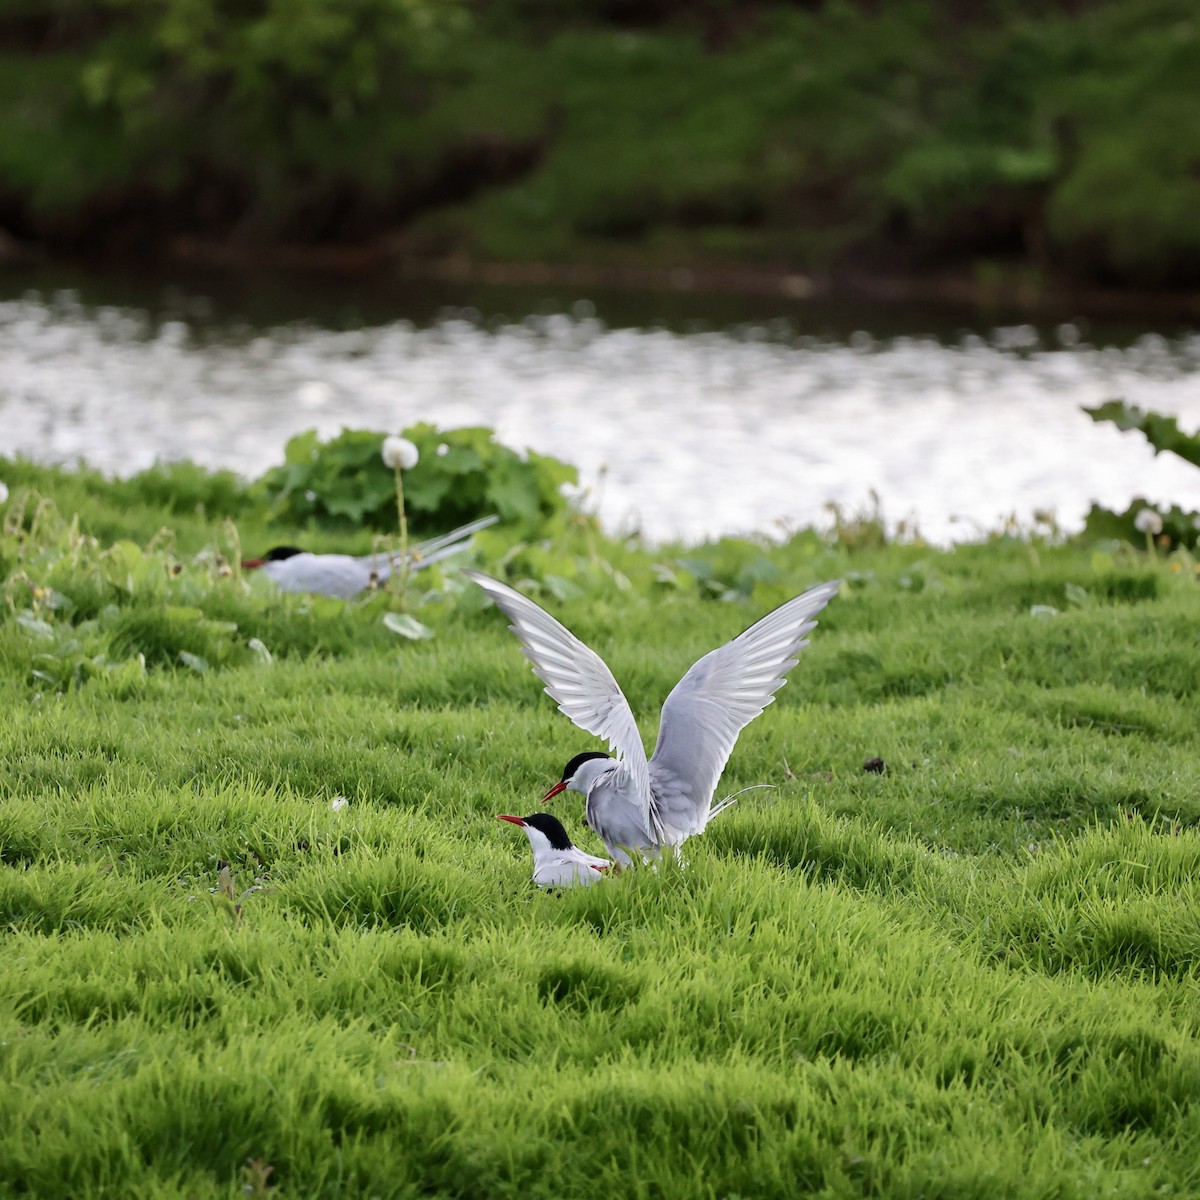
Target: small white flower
399,452
3,491
339,802
443,450
1148,521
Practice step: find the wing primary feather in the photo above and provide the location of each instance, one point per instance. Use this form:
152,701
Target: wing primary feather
717,698
576,678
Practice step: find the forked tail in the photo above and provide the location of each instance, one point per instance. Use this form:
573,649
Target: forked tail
727,801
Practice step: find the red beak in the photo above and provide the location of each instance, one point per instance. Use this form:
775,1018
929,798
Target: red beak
560,786
506,817
248,564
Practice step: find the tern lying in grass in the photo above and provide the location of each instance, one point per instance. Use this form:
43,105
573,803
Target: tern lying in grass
556,862
637,805
343,575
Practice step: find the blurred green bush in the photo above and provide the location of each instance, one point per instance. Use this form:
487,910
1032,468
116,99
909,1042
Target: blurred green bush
1056,135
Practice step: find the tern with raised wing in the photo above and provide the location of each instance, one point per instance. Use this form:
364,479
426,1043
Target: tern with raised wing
556,861
640,806
343,576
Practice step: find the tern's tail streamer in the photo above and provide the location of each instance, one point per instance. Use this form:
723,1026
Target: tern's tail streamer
723,804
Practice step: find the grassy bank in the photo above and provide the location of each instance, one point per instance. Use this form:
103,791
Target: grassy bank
973,974
1001,140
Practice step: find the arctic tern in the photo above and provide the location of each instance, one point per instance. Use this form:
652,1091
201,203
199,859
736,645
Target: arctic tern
640,806
343,576
556,862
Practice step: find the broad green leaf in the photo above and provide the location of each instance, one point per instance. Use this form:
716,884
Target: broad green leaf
301,449
1162,432
407,626
560,588
35,625
259,650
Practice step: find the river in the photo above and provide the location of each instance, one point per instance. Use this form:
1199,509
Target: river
687,416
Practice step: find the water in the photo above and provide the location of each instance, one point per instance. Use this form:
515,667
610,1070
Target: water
687,417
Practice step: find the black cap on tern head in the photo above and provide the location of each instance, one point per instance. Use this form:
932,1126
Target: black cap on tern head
549,826
578,761
552,827
279,553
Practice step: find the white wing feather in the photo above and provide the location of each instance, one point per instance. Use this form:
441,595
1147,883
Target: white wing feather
718,697
576,677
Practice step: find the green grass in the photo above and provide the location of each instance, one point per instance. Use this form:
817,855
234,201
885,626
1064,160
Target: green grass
973,975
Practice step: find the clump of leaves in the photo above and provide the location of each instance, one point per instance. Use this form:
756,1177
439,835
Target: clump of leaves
728,570
1163,433
462,474
1179,526
88,612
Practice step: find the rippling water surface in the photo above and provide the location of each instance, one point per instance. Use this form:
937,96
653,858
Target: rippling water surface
681,434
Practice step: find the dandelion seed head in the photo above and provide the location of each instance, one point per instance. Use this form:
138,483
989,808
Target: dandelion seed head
399,452
1148,521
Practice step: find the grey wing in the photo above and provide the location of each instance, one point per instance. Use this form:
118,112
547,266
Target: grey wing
576,677
715,701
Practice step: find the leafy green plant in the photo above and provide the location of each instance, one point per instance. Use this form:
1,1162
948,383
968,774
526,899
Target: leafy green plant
1163,433
728,570
1177,525
462,474
75,611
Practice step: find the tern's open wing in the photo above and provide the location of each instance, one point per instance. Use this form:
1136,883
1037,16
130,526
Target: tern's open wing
715,701
575,676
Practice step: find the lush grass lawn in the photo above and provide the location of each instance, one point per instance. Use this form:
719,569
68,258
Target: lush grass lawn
972,975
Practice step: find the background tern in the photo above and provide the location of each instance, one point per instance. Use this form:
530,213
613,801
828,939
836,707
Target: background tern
639,806
344,575
556,862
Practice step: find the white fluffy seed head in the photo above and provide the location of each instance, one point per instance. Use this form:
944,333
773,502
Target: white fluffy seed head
1148,521
399,452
